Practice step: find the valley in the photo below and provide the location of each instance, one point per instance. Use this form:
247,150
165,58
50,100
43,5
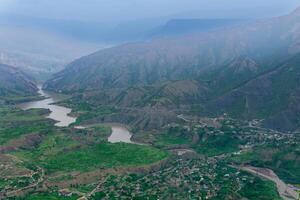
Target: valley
84,160
210,114
52,152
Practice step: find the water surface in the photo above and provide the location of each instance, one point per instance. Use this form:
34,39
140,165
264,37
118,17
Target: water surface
58,113
120,134
61,115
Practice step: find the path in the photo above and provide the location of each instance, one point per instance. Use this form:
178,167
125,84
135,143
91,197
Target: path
40,180
183,118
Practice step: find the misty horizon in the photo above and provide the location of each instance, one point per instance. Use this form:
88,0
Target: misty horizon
117,11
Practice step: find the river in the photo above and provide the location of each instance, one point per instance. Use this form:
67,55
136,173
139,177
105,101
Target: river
61,115
58,113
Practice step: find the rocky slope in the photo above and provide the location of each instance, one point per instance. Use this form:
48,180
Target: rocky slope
249,72
273,96
144,108
169,95
232,75
267,42
14,82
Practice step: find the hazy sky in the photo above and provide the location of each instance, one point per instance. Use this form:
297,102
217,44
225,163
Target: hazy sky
119,10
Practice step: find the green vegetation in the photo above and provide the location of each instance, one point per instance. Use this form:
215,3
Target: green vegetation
207,140
52,149
284,160
259,189
60,153
103,155
101,131
218,144
47,196
21,99
98,195
15,123
193,154
18,182
194,178
50,146
75,159
173,136
96,112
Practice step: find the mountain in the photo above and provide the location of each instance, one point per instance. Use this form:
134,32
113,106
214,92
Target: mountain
231,75
186,57
249,72
142,107
13,82
176,27
273,96
171,94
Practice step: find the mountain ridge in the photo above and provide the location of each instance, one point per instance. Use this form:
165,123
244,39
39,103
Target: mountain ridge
227,66
14,82
184,26
271,96
178,58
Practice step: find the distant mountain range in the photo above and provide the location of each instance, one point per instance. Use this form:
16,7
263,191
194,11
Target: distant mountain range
266,43
177,27
249,71
44,46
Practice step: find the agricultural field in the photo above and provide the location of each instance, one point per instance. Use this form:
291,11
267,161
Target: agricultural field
180,161
34,151
103,155
15,123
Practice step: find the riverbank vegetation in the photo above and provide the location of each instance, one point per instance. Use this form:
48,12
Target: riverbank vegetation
32,149
39,154
68,155
47,196
15,123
